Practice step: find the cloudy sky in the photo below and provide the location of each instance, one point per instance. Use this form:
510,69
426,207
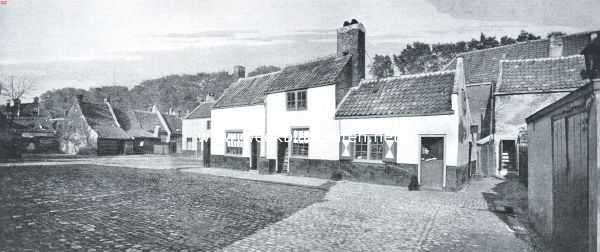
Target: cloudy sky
101,42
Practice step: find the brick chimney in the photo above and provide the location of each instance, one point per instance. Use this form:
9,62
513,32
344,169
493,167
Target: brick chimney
154,108
239,72
556,44
79,97
351,41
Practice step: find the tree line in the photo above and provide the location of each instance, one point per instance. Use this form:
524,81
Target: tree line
177,93
420,57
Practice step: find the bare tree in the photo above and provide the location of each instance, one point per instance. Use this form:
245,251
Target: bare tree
16,86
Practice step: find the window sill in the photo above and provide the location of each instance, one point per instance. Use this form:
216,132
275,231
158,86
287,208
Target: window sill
368,161
299,157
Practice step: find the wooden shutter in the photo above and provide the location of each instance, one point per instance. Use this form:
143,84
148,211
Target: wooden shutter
346,148
390,149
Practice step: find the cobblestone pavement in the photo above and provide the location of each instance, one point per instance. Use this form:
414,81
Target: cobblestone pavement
131,161
97,208
254,175
366,217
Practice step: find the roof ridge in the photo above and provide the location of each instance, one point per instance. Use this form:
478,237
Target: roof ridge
409,76
503,46
312,60
581,33
258,76
543,59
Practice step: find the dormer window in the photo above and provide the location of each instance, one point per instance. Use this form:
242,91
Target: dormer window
296,100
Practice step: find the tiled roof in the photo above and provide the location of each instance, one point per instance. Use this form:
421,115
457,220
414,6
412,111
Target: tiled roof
130,124
202,111
246,91
147,120
173,122
478,99
316,73
423,94
482,66
98,117
548,74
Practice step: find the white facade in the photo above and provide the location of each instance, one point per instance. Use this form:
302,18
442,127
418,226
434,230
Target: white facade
319,118
197,130
250,120
408,131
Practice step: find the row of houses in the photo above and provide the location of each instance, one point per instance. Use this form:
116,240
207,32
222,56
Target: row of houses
322,117
101,129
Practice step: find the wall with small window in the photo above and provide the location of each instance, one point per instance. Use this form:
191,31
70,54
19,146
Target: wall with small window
369,136
196,130
308,118
232,130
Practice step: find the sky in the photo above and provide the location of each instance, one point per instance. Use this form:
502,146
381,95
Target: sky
83,44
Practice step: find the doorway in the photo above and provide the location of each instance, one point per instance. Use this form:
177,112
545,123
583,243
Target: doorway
254,153
282,155
508,152
432,163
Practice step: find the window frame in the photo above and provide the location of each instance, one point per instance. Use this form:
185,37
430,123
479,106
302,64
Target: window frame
208,124
296,149
234,150
371,142
293,103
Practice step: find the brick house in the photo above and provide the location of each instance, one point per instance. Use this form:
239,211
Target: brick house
92,128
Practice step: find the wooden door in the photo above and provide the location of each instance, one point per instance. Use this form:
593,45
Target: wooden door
432,163
254,153
206,152
571,179
282,155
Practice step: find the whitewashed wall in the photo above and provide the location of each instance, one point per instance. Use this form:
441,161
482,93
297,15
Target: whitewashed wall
319,117
249,119
194,128
408,131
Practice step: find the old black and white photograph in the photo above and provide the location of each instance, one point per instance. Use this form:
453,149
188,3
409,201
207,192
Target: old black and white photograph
300,125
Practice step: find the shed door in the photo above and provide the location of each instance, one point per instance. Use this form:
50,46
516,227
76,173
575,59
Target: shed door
570,178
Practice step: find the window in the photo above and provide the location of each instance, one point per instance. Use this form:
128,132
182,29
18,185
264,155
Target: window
296,100
208,124
300,139
188,143
368,147
234,143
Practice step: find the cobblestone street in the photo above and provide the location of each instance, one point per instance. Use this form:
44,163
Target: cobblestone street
86,207
96,208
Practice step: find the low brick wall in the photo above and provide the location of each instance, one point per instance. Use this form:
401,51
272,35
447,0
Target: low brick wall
230,162
379,173
315,168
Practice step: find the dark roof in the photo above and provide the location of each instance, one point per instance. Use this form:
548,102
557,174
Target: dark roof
202,111
478,99
147,120
482,66
534,75
99,117
411,95
173,122
130,124
246,91
316,73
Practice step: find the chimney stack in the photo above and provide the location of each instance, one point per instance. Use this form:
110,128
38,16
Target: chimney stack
239,72
154,108
556,44
107,99
79,97
351,41
36,106
210,97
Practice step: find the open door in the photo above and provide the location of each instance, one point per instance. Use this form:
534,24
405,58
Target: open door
282,155
432,163
254,153
206,153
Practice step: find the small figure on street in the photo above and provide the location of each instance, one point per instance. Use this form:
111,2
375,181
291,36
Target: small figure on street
414,184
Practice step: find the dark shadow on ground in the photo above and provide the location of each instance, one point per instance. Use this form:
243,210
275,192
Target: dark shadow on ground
509,203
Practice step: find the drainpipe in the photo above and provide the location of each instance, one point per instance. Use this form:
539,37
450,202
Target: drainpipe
265,139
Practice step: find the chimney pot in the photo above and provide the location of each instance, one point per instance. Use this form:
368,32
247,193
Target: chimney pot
239,72
351,41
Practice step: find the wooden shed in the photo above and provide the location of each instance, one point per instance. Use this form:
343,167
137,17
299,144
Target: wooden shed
563,170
